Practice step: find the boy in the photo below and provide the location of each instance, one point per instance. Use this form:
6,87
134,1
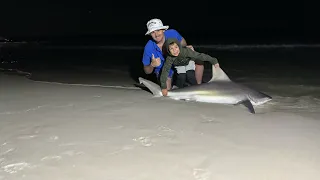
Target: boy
180,56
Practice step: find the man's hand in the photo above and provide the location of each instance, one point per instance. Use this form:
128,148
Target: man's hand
191,47
164,92
155,62
217,65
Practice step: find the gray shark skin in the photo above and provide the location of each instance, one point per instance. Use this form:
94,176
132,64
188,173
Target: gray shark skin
217,90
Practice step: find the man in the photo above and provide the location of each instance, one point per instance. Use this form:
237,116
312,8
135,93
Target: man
153,57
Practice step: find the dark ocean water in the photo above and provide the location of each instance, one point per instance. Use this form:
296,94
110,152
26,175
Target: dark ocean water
250,58
288,73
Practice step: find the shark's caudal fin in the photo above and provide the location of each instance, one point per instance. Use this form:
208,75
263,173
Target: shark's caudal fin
248,104
219,75
153,87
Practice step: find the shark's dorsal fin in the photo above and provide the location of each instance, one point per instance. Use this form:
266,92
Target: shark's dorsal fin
248,104
219,75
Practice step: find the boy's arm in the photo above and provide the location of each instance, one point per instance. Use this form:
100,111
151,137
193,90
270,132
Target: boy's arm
165,72
201,56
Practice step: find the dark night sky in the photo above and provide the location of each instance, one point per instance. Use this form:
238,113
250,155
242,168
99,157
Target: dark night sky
108,18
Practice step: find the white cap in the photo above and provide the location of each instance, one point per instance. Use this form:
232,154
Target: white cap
155,24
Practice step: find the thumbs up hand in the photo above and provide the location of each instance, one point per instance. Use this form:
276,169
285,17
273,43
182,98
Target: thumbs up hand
155,62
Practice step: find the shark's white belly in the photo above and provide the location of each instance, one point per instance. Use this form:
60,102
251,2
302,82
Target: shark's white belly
208,99
261,101
217,99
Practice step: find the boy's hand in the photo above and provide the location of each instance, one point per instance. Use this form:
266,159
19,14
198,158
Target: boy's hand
164,92
217,65
155,62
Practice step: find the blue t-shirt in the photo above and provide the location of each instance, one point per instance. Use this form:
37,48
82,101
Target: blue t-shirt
152,48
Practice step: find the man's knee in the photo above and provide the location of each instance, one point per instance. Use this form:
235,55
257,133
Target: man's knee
197,62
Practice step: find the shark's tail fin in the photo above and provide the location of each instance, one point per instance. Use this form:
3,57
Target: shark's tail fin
153,87
219,75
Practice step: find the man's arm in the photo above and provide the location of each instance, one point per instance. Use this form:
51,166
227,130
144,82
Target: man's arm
183,42
148,69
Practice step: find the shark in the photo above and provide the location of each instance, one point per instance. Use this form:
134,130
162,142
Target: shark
219,90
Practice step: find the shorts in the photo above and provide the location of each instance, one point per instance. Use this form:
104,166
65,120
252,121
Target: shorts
184,69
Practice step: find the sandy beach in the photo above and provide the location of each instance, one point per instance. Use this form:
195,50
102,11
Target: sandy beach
60,131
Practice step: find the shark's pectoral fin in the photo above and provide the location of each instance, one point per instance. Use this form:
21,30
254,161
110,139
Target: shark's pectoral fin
248,104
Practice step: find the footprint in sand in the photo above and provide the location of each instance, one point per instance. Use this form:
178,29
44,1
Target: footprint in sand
206,119
34,132
53,138
59,157
166,132
72,153
15,167
145,141
26,137
124,148
116,127
51,158
201,174
5,148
